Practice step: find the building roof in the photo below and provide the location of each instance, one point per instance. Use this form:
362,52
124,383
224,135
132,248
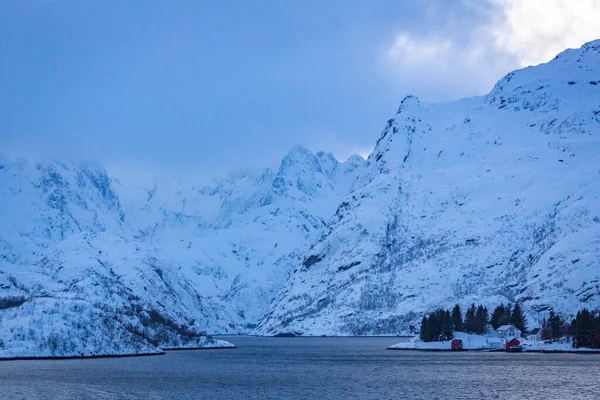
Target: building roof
507,327
534,331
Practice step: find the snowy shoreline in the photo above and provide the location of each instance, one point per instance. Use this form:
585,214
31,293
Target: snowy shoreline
573,351
215,345
49,358
211,344
487,344
223,345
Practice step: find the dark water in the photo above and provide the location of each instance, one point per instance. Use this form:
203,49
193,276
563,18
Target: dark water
308,368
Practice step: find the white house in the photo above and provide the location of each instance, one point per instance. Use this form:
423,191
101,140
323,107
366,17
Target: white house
535,335
508,332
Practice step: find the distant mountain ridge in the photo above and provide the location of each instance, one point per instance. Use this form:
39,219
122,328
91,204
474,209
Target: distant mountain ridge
81,265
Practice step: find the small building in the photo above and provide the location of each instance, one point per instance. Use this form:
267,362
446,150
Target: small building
535,335
514,346
508,332
457,345
494,343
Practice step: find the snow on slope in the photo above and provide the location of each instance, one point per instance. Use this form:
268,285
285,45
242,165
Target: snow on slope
87,267
487,200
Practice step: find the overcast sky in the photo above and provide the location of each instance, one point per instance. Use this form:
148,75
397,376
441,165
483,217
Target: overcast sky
214,86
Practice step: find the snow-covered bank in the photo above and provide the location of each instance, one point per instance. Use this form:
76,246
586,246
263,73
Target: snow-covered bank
69,325
562,346
470,342
30,353
25,358
490,343
211,345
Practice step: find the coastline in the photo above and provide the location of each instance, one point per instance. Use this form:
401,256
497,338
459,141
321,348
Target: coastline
160,352
496,351
488,344
33,358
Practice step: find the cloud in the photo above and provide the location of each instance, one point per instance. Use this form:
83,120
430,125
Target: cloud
536,30
467,57
414,52
437,68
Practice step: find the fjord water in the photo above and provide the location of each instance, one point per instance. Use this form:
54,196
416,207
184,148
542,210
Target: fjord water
308,368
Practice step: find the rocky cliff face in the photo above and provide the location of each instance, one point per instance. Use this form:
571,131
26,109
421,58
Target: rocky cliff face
87,270
485,200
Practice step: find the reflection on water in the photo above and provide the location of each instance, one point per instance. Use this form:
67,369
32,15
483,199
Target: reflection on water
308,368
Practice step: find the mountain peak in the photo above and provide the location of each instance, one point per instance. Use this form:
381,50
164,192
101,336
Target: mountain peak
407,102
355,159
298,151
352,163
305,171
300,158
569,83
587,48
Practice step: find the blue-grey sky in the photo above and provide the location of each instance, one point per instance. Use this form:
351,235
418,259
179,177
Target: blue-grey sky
217,86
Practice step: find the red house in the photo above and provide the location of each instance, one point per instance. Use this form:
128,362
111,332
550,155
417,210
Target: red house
457,345
514,345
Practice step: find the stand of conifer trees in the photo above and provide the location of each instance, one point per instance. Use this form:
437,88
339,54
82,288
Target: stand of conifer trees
437,326
554,327
585,329
441,324
505,315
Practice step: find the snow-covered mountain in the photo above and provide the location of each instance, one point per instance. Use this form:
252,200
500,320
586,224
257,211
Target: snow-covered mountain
486,200
88,266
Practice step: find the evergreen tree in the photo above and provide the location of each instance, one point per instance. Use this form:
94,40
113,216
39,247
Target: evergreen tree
425,330
582,325
432,331
505,317
586,329
434,328
596,331
437,326
556,326
501,316
447,328
457,320
485,319
574,328
481,320
546,333
517,319
496,316
469,323
478,323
